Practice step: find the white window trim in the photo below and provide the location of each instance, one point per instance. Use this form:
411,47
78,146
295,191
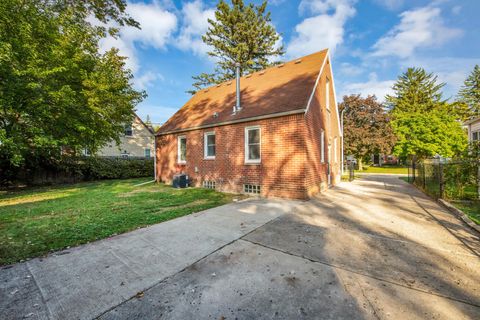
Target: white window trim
149,152
322,146
129,136
259,160
327,94
178,150
335,150
205,145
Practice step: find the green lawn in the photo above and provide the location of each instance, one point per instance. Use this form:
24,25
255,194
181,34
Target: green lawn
470,208
386,169
36,221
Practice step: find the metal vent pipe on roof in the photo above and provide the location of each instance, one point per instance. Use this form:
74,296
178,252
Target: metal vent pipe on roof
238,105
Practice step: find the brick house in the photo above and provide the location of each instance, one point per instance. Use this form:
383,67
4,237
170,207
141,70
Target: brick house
279,136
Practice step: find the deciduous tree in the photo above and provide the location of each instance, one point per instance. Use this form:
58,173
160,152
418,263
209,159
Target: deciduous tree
55,88
424,123
366,126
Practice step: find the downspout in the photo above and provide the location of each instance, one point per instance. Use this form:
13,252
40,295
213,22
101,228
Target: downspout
238,105
155,158
341,116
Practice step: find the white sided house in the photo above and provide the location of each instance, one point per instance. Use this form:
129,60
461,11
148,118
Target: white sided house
137,141
473,127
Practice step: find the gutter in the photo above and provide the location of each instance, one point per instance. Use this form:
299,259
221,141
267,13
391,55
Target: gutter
267,116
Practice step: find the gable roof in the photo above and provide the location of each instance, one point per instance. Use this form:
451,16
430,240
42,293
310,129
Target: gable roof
279,90
143,123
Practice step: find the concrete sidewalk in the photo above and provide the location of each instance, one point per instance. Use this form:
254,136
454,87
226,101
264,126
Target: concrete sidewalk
376,248
83,282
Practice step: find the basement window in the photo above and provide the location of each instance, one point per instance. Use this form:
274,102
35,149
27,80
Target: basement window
209,184
251,188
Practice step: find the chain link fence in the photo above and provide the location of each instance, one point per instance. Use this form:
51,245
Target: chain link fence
447,179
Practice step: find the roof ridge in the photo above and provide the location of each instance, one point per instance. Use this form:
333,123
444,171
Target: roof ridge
263,70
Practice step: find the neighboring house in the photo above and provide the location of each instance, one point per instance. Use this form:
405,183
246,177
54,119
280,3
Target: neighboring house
282,139
381,159
137,141
473,127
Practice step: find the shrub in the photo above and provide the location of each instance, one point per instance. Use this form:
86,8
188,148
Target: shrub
69,169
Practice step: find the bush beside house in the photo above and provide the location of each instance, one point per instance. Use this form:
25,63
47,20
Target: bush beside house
68,169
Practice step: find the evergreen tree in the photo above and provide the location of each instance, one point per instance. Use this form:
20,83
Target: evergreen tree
366,126
239,34
470,92
415,91
424,123
148,122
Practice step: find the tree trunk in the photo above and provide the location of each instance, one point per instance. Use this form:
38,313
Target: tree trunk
360,164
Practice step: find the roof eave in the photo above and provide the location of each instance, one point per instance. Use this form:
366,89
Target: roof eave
224,123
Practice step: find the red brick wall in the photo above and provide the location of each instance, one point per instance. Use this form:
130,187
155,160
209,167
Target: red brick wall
281,173
290,150
317,119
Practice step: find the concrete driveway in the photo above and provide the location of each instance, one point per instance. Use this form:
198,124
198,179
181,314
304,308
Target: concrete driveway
375,249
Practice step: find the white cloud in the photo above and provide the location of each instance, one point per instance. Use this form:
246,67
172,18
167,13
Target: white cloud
157,26
371,87
390,4
456,9
419,28
195,23
350,70
324,30
147,79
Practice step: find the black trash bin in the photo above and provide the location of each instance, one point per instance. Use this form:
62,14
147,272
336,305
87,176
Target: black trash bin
180,181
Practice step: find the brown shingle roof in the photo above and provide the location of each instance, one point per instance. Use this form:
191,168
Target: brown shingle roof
278,89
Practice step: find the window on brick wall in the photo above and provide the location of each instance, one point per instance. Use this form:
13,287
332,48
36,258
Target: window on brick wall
252,145
327,94
209,184
322,146
335,150
182,149
251,188
209,145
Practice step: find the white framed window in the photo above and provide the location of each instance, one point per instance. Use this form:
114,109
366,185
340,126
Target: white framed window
335,150
252,144
209,145
128,130
475,136
327,94
182,149
147,152
322,146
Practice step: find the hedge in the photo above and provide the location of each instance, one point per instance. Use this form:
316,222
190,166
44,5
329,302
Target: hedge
68,169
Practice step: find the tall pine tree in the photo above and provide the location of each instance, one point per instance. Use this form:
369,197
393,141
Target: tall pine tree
239,34
424,123
469,93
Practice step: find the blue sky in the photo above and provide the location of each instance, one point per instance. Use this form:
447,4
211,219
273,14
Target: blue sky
371,43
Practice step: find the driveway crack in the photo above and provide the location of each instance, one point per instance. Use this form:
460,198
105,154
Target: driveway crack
363,274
